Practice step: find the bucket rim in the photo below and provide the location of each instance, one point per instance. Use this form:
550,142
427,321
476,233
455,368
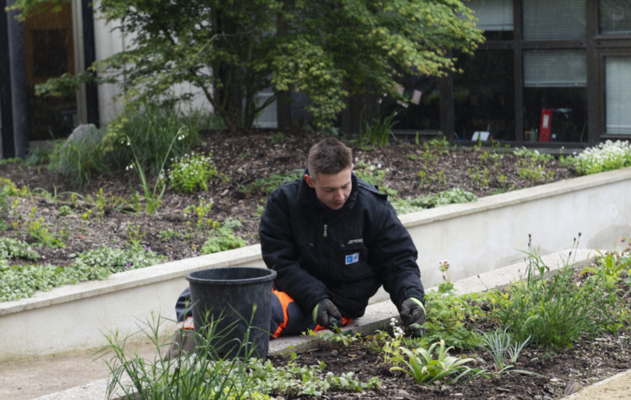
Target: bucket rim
249,281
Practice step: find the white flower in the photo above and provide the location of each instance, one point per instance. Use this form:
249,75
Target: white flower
379,165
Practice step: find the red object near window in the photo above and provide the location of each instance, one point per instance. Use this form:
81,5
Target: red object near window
546,125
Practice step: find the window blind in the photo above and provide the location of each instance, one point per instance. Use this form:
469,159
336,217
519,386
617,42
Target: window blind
618,95
554,19
493,15
555,68
268,117
615,16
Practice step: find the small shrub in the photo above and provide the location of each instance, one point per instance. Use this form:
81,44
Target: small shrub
10,189
277,138
191,172
268,185
604,157
14,160
79,161
150,133
222,239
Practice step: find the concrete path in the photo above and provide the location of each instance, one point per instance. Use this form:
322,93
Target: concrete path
80,376
618,387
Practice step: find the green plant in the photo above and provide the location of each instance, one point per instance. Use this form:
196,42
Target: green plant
269,184
134,234
201,210
114,260
555,312
277,138
149,133
38,155
453,196
65,211
168,234
448,315
380,132
152,198
14,160
603,157
200,375
533,175
10,189
79,161
425,369
423,176
4,208
222,239
259,211
191,172
40,232
612,264
13,248
500,344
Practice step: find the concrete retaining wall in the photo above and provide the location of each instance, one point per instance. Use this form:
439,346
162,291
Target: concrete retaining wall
475,237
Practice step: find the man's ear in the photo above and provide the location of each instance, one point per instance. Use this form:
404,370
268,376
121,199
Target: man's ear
309,181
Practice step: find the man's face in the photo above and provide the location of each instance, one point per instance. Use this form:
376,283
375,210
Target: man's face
332,189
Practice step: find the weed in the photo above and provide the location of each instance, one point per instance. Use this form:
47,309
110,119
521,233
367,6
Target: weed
168,234
423,175
38,155
277,138
412,157
10,189
201,210
4,208
222,239
191,172
134,234
40,232
259,211
64,211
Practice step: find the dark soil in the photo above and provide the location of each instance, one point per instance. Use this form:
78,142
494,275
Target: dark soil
243,158
563,372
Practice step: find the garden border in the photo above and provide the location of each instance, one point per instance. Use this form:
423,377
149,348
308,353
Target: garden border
475,236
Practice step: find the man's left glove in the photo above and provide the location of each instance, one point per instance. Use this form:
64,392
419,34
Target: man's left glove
413,312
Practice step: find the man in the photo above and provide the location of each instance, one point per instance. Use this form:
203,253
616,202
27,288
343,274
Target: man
333,240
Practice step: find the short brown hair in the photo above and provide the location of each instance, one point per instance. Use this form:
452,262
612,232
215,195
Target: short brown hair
330,157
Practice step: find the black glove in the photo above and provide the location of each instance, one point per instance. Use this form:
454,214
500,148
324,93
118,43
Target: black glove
326,314
413,312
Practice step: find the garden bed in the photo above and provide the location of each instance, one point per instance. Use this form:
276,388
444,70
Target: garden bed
102,213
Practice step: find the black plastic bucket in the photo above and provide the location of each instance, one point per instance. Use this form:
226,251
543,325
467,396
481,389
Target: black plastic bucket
227,296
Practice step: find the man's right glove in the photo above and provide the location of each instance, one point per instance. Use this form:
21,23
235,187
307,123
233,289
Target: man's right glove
326,314
413,312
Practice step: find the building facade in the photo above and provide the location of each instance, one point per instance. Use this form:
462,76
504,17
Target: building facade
551,73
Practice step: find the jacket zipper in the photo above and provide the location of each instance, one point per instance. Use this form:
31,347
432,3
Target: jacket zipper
324,230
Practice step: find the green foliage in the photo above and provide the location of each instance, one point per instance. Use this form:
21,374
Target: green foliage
19,282
150,133
40,232
10,189
271,183
191,172
13,248
612,264
453,196
4,208
168,234
374,175
379,132
555,312
500,344
295,380
79,161
328,52
532,165
222,239
38,155
14,160
425,369
449,315
604,157
201,210
277,138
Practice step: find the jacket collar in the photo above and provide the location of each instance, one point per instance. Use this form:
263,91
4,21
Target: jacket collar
307,195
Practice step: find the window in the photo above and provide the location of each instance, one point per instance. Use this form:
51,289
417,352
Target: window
615,17
617,95
484,98
555,95
422,116
495,17
268,117
554,19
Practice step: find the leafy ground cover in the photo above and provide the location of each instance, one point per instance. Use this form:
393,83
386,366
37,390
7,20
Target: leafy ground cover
496,362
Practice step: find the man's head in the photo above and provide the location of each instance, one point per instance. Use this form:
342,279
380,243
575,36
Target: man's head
330,166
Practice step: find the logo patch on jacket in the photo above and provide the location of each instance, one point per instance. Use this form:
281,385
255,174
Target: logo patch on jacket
352,259
353,241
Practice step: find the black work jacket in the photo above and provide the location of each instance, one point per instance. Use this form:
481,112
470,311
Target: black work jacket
344,255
